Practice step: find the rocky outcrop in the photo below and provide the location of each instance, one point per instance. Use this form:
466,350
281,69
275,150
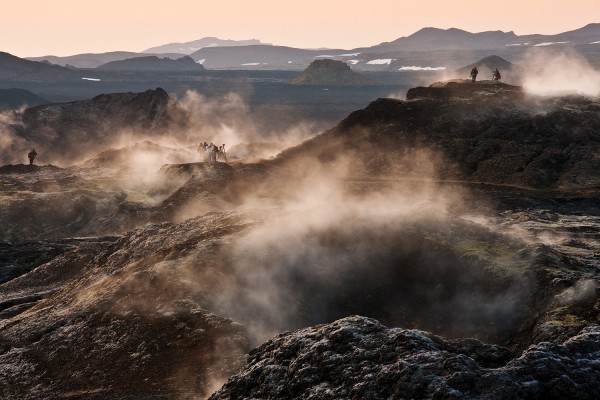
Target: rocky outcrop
69,132
326,72
117,318
358,358
27,169
483,132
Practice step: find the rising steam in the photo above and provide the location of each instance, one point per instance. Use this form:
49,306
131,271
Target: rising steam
555,74
328,251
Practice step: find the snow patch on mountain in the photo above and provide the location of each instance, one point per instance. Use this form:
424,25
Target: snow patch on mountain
415,68
380,61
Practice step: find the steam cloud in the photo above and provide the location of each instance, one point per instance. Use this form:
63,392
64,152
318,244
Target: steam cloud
328,251
553,74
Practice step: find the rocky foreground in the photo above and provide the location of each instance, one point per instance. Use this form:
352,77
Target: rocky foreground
358,358
465,219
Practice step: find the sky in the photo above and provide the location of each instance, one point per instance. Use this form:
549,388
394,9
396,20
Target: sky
66,27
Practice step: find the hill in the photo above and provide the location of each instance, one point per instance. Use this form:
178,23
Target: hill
93,60
11,99
153,63
326,72
509,71
195,45
484,132
68,132
430,39
15,69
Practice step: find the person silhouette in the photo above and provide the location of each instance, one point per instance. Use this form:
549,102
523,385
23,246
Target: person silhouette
31,155
496,75
474,73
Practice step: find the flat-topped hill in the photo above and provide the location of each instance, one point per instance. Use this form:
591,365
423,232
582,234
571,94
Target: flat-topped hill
325,72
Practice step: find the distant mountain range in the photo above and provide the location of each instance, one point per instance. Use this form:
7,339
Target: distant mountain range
195,45
449,48
92,60
428,39
391,55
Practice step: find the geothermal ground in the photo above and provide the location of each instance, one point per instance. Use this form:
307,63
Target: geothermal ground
442,247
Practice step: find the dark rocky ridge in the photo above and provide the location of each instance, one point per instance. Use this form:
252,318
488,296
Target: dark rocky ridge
326,72
120,305
70,132
486,132
358,358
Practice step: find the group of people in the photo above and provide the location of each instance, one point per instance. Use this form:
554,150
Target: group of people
212,152
495,74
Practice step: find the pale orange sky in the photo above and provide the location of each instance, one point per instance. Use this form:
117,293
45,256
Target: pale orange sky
66,27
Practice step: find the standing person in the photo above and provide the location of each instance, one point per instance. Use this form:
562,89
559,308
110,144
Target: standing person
31,155
474,73
204,148
224,154
496,75
212,151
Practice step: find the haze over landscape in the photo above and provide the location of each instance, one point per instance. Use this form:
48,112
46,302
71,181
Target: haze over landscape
300,200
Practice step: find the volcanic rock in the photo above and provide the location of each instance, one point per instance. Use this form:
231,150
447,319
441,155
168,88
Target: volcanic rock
234,256
68,132
108,308
326,72
358,358
26,169
483,132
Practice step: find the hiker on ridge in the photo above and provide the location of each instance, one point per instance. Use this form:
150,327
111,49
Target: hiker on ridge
474,73
204,148
212,152
496,75
31,155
